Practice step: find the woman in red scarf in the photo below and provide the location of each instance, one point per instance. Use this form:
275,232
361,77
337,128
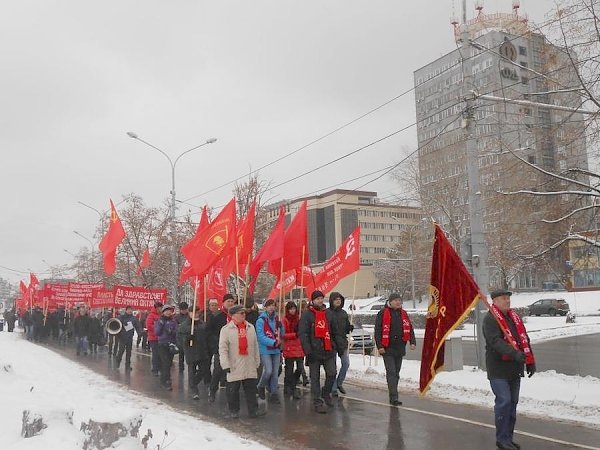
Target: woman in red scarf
393,330
292,351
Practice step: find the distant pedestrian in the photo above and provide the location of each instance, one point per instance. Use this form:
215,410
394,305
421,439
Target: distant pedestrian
81,330
195,347
252,311
318,335
182,315
129,325
393,330
10,317
143,336
269,330
238,352
342,323
213,330
95,337
165,330
292,351
506,352
152,339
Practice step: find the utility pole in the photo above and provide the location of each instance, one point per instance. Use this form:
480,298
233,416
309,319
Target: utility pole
479,253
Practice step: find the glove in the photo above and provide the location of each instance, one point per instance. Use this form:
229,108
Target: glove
530,370
519,357
227,370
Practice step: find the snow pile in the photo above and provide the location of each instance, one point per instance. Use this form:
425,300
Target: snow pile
66,395
547,394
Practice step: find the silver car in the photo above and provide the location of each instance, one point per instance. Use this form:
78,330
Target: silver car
361,340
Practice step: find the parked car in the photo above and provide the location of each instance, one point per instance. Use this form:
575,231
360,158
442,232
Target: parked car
360,340
373,308
550,306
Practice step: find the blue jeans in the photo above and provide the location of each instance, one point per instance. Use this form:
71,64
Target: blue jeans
29,332
505,408
345,359
270,373
82,344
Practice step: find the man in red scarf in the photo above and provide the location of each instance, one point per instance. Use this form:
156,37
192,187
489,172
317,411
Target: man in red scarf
318,335
507,350
393,330
238,352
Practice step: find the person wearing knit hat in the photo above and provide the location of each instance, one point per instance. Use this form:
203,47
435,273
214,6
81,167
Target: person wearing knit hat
393,329
269,330
318,335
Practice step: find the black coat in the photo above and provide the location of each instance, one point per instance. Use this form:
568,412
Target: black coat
213,331
81,326
342,323
95,336
496,346
198,351
397,346
131,322
313,346
252,316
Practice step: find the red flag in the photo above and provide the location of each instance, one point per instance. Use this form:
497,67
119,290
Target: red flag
145,262
33,281
345,261
245,244
295,244
23,289
272,248
453,294
289,281
216,241
186,270
111,240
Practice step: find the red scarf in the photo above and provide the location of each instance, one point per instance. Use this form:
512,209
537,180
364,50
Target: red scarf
242,338
386,326
224,311
269,332
508,336
322,327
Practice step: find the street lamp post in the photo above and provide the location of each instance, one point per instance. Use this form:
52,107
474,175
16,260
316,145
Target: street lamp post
173,205
86,238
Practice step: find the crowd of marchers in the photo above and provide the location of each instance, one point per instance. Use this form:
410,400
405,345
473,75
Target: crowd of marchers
236,346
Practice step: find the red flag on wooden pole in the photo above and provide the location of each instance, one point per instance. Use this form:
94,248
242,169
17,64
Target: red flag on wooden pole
295,239
271,250
186,270
111,240
216,241
453,294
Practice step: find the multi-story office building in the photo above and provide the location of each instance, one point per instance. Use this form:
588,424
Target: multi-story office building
507,59
332,216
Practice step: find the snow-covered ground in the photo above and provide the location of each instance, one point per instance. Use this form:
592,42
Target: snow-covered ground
546,394
35,378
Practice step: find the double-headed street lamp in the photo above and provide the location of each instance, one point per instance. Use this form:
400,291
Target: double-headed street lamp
173,249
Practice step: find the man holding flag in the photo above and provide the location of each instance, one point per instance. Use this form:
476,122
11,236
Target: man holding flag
507,349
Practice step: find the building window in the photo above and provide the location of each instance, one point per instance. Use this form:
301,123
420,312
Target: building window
531,159
522,51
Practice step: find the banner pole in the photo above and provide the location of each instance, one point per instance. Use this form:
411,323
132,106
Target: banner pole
246,279
301,297
237,276
194,309
205,294
281,287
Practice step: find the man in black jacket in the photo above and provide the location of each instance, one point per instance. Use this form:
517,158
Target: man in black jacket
213,331
195,347
342,324
505,356
81,330
393,330
318,334
129,324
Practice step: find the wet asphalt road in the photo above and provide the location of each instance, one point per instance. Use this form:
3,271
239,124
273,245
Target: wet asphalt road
577,355
362,420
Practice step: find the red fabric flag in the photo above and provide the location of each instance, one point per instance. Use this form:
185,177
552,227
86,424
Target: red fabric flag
186,270
216,241
245,244
345,261
272,248
289,281
33,281
111,240
145,262
295,242
453,294
23,289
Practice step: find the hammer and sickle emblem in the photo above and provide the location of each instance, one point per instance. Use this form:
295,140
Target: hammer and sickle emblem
321,324
434,302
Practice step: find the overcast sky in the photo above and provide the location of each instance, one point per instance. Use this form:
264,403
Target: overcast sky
263,77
